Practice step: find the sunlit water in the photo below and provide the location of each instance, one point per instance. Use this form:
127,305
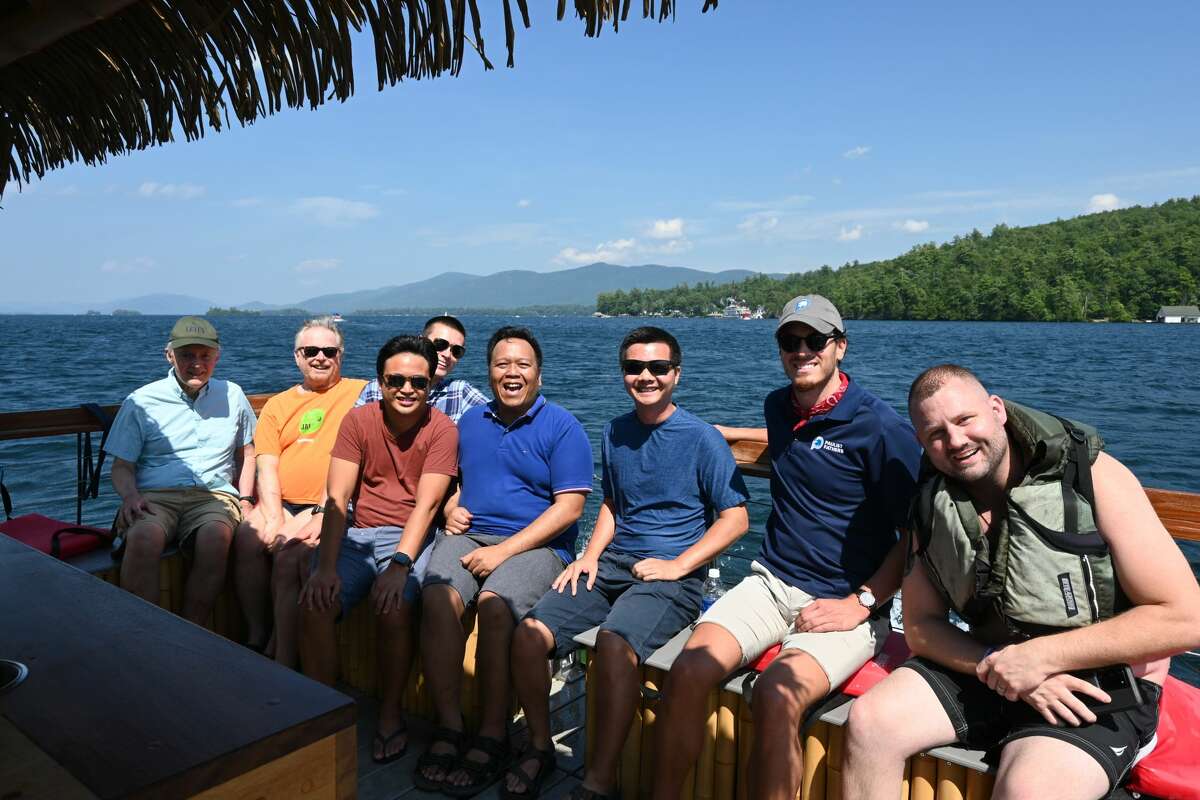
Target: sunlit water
1139,384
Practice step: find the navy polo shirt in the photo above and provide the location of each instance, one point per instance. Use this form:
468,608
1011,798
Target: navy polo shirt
840,486
510,473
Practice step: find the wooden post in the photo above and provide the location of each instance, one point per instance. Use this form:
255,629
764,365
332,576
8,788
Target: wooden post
653,684
923,781
744,744
951,781
707,765
726,768
979,785
630,770
812,783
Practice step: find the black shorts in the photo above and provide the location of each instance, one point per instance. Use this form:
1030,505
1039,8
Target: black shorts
983,720
296,509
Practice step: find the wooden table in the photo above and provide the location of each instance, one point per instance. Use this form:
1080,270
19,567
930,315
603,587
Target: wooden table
126,700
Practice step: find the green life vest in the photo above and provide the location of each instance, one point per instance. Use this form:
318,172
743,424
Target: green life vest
1045,568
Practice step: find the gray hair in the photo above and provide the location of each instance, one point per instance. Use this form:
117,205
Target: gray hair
325,322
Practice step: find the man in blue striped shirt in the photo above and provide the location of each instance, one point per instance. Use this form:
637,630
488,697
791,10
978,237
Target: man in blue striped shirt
452,398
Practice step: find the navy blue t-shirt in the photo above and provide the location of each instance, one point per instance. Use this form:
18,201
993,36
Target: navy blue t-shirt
840,486
667,482
510,474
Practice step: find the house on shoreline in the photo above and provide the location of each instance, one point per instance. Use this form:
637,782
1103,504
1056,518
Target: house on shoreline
1178,314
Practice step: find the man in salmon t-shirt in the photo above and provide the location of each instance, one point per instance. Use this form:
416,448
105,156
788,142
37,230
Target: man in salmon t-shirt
395,459
296,430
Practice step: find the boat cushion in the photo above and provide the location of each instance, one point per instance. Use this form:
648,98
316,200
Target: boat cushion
894,653
54,537
1172,769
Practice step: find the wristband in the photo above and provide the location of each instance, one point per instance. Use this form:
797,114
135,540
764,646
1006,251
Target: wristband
245,498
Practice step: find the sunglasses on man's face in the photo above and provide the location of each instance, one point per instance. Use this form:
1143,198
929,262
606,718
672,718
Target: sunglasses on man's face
658,367
456,350
419,382
311,352
816,342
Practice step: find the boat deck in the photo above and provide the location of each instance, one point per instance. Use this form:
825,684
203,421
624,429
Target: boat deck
390,781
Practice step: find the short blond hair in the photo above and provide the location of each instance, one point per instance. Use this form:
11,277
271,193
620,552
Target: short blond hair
325,322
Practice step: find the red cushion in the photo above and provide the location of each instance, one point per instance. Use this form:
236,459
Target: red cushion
894,653
1172,770
38,532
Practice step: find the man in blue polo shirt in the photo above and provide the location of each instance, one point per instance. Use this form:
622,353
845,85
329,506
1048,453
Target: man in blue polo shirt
673,500
843,469
179,446
526,469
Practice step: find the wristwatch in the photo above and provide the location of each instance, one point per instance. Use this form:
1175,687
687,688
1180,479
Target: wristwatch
402,559
866,599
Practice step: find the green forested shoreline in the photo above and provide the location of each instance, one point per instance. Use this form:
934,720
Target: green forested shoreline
1118,265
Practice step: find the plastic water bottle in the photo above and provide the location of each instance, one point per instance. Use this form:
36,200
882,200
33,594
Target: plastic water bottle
713,589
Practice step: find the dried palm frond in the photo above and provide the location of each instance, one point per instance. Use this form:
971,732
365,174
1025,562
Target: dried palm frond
86,79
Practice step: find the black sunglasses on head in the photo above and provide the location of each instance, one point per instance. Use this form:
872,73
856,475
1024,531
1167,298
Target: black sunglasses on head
816,342
311,352
658,367
456,350
419,382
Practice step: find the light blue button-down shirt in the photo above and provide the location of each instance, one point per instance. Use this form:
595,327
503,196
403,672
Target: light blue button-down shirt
179,442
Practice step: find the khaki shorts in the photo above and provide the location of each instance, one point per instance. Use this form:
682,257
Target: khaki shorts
182,512
761,611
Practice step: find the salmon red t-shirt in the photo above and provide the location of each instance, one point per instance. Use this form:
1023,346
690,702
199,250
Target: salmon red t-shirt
300,427
389,468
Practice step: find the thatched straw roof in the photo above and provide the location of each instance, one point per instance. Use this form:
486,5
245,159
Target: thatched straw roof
85,79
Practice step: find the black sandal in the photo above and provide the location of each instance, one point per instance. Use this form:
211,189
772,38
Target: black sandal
383,742
580,792
546,761
444,761
481,774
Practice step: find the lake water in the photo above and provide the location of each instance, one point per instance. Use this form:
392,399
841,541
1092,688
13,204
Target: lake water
1139,384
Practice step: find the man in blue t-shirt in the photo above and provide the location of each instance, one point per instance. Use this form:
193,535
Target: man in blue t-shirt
666,475
526,469
843,469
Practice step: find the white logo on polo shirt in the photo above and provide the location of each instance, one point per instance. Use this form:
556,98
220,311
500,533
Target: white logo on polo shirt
821,443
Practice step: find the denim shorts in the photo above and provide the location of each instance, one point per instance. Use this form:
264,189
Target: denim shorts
367,552
646,614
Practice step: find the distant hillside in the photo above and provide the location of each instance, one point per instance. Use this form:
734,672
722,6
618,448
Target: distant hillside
515,288
1117,265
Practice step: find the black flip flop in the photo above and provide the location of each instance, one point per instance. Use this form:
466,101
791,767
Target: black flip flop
443,761
381,742
546,761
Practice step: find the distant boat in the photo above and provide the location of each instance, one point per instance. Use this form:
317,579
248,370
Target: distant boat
600,315
759,313
735,310
338,317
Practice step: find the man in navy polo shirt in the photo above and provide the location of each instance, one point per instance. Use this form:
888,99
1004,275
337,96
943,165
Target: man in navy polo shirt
843,469
673,500
526,469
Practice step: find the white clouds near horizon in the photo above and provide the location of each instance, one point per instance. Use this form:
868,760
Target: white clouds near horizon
333,212
1103,202
174,191
666,229
317,265
913,225
857,152
115,266
850,234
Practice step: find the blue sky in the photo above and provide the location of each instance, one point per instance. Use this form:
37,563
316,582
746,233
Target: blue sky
768,136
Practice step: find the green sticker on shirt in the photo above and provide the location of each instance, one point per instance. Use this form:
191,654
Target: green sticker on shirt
311,422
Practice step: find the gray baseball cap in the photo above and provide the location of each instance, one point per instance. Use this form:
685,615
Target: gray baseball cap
814,311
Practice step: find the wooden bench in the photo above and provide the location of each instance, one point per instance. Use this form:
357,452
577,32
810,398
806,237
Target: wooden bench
943,773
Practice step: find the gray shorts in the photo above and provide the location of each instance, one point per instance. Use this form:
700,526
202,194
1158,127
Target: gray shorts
520,581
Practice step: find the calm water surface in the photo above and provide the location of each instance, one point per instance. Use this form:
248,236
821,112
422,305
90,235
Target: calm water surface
1139,384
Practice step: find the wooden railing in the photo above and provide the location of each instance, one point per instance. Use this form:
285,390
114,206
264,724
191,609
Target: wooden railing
1179,511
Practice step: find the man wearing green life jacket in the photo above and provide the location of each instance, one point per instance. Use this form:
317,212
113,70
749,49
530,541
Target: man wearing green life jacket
1051,551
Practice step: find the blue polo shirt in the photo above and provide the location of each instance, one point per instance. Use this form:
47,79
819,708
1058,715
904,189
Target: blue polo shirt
666,482
510,473
177,442
840,487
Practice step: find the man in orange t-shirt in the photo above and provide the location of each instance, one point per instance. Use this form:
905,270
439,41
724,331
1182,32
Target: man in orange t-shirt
296,431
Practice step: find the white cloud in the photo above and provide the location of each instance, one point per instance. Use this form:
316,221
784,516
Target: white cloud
173,191
524,202
851,235
857,152
318,265
394,192
333,211
115,266
913,226
666,229
605,251
1103,202
790,201
758,224
836,181
247,202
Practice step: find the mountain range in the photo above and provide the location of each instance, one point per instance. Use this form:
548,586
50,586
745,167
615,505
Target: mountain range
516,288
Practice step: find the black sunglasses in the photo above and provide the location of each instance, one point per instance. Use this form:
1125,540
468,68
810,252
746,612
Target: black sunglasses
311,352
456,350
816,342
658,367
419,382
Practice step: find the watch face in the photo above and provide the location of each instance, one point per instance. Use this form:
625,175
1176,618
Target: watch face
867,599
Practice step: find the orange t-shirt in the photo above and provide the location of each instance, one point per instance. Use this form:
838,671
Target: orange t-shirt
300,428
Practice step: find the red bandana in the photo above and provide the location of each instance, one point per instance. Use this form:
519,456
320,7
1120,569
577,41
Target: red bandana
823,407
